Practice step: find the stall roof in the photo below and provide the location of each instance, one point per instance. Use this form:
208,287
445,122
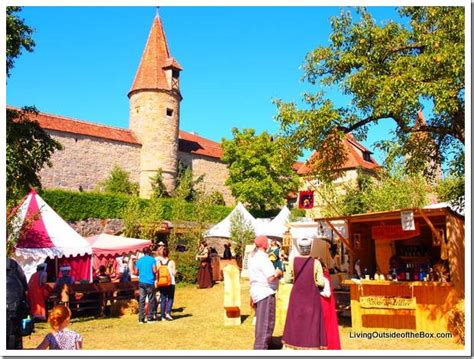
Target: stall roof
392,215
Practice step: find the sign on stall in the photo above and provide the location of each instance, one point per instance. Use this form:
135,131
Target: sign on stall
408,220
375,301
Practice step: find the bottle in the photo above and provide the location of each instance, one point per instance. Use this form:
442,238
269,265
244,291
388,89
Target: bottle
26,325
407,272
366,274
394,275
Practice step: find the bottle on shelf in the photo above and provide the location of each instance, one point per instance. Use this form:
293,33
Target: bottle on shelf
366,273
407,271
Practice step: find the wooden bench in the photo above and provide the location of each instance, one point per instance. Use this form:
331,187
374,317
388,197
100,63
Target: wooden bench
95,296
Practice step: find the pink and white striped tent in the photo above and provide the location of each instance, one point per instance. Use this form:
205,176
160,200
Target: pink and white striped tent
44,234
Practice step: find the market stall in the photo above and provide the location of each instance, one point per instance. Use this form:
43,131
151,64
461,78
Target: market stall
410,265
43,236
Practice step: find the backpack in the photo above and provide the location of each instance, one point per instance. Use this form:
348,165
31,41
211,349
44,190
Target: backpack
164,275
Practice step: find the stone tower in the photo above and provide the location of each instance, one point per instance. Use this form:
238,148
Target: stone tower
154,110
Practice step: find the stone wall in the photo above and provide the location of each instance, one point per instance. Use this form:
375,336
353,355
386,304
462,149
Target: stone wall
215,174
154,119
86,160
92,226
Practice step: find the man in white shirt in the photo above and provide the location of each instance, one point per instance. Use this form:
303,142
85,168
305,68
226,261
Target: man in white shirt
263,279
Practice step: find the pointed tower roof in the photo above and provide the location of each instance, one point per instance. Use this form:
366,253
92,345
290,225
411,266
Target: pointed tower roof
155,59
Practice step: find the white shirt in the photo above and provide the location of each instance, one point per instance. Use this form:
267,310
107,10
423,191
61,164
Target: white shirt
260,268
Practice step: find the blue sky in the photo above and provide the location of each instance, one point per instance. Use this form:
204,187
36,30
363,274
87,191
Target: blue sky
236,60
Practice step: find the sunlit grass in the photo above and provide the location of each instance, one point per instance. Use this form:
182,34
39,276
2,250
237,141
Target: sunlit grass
199,324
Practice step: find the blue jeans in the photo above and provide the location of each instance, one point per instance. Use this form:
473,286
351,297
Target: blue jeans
146,290
166,302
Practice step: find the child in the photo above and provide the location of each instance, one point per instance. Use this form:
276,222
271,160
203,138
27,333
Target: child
61,337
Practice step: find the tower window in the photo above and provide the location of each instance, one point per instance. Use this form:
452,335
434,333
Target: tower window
169,112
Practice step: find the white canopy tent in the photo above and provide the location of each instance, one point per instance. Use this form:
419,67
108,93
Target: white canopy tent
222,229
277,226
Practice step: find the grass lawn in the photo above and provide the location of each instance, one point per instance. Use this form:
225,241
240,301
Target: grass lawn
199,325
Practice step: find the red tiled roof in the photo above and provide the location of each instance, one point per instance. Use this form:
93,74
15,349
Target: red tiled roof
156,56
188,142
192,143
70,125
354,158
297,165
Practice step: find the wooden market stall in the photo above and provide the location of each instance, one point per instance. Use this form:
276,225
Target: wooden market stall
416,271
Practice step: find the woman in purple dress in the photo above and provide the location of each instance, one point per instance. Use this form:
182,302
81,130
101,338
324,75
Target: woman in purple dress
304,326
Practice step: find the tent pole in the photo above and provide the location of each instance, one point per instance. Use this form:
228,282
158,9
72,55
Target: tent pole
56,265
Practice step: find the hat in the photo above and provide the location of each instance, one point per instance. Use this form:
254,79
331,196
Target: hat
304,245
161,243
261,241
65,268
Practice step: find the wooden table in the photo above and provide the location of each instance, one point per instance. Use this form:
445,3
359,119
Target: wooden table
411,305
94,296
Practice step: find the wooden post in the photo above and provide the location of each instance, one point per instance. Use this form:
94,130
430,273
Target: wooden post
231,295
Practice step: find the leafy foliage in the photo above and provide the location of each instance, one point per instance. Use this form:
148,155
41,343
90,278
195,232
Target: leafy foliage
393,190
18,37
119,182
241,233
388,72
186,185
158,188
260,172
74,206
29,148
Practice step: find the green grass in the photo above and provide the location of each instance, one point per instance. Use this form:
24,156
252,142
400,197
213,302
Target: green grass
199,324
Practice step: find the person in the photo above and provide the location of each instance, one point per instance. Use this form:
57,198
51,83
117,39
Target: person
159,251
38,292
329,311
124,271
61,338
263,279
274,255
167,293
145,268
227,251
204,278
215,265
63,284
111,268
304,325
103,276
17,304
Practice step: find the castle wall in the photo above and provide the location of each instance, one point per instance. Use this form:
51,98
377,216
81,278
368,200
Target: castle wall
86,160
215,173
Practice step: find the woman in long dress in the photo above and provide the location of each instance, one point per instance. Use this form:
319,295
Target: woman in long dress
329,311
304,326
38,292
204,278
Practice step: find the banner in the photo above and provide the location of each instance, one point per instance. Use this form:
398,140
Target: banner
393,232
306,199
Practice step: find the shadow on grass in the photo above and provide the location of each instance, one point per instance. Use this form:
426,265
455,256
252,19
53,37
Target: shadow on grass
180,316
178,310
244,317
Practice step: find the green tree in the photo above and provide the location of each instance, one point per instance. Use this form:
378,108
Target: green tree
392,190
388,71
118,181
186,184
241,233
29,148
158,188
18,37
260,172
